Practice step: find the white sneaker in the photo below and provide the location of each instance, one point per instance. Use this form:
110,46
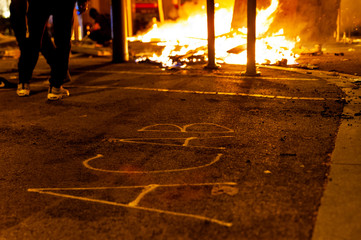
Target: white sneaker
57,93
23,89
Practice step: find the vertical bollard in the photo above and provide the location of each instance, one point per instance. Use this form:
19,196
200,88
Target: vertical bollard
120,42
129,8
251,38
211,36
338,24
161,11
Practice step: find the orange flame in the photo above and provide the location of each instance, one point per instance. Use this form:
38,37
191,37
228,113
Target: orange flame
190,35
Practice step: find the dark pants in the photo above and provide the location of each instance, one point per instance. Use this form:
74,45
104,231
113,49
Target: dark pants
38,15
18,11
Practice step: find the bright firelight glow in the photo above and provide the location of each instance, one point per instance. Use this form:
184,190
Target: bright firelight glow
189,37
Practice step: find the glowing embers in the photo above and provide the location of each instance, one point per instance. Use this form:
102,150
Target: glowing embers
185,41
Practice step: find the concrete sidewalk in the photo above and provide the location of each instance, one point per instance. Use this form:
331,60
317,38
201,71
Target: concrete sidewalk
339,214
340,211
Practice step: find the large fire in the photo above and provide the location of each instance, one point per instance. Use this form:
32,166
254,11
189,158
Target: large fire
188,37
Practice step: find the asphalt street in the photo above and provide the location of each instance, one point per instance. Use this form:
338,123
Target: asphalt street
141,152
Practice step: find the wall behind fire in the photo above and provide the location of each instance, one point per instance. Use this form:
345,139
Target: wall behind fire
139,17
312,20
103,6
350,16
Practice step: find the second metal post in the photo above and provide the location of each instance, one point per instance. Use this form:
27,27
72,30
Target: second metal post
251,38
211,36
120,41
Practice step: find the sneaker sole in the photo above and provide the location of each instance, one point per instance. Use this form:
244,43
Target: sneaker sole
54,97
23,94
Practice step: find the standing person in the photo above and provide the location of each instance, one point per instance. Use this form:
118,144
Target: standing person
18,19
38,14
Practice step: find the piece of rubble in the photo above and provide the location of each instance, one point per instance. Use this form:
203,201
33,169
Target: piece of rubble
308,66
282,63
357,81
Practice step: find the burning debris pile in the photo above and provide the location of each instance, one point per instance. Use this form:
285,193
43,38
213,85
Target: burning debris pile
185,41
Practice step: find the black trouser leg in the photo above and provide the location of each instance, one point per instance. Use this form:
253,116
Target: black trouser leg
63,22
38,14
47,49
18,10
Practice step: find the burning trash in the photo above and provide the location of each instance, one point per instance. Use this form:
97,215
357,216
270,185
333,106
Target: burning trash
185,41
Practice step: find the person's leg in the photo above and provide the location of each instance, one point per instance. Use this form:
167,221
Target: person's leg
18,10
63,22
47,49
38,13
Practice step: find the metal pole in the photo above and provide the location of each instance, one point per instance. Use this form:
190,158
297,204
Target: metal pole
160,11
120,42
338,24
251,38
129,17
211,36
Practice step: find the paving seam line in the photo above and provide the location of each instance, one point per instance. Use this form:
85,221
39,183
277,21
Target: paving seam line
236,76
202,92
